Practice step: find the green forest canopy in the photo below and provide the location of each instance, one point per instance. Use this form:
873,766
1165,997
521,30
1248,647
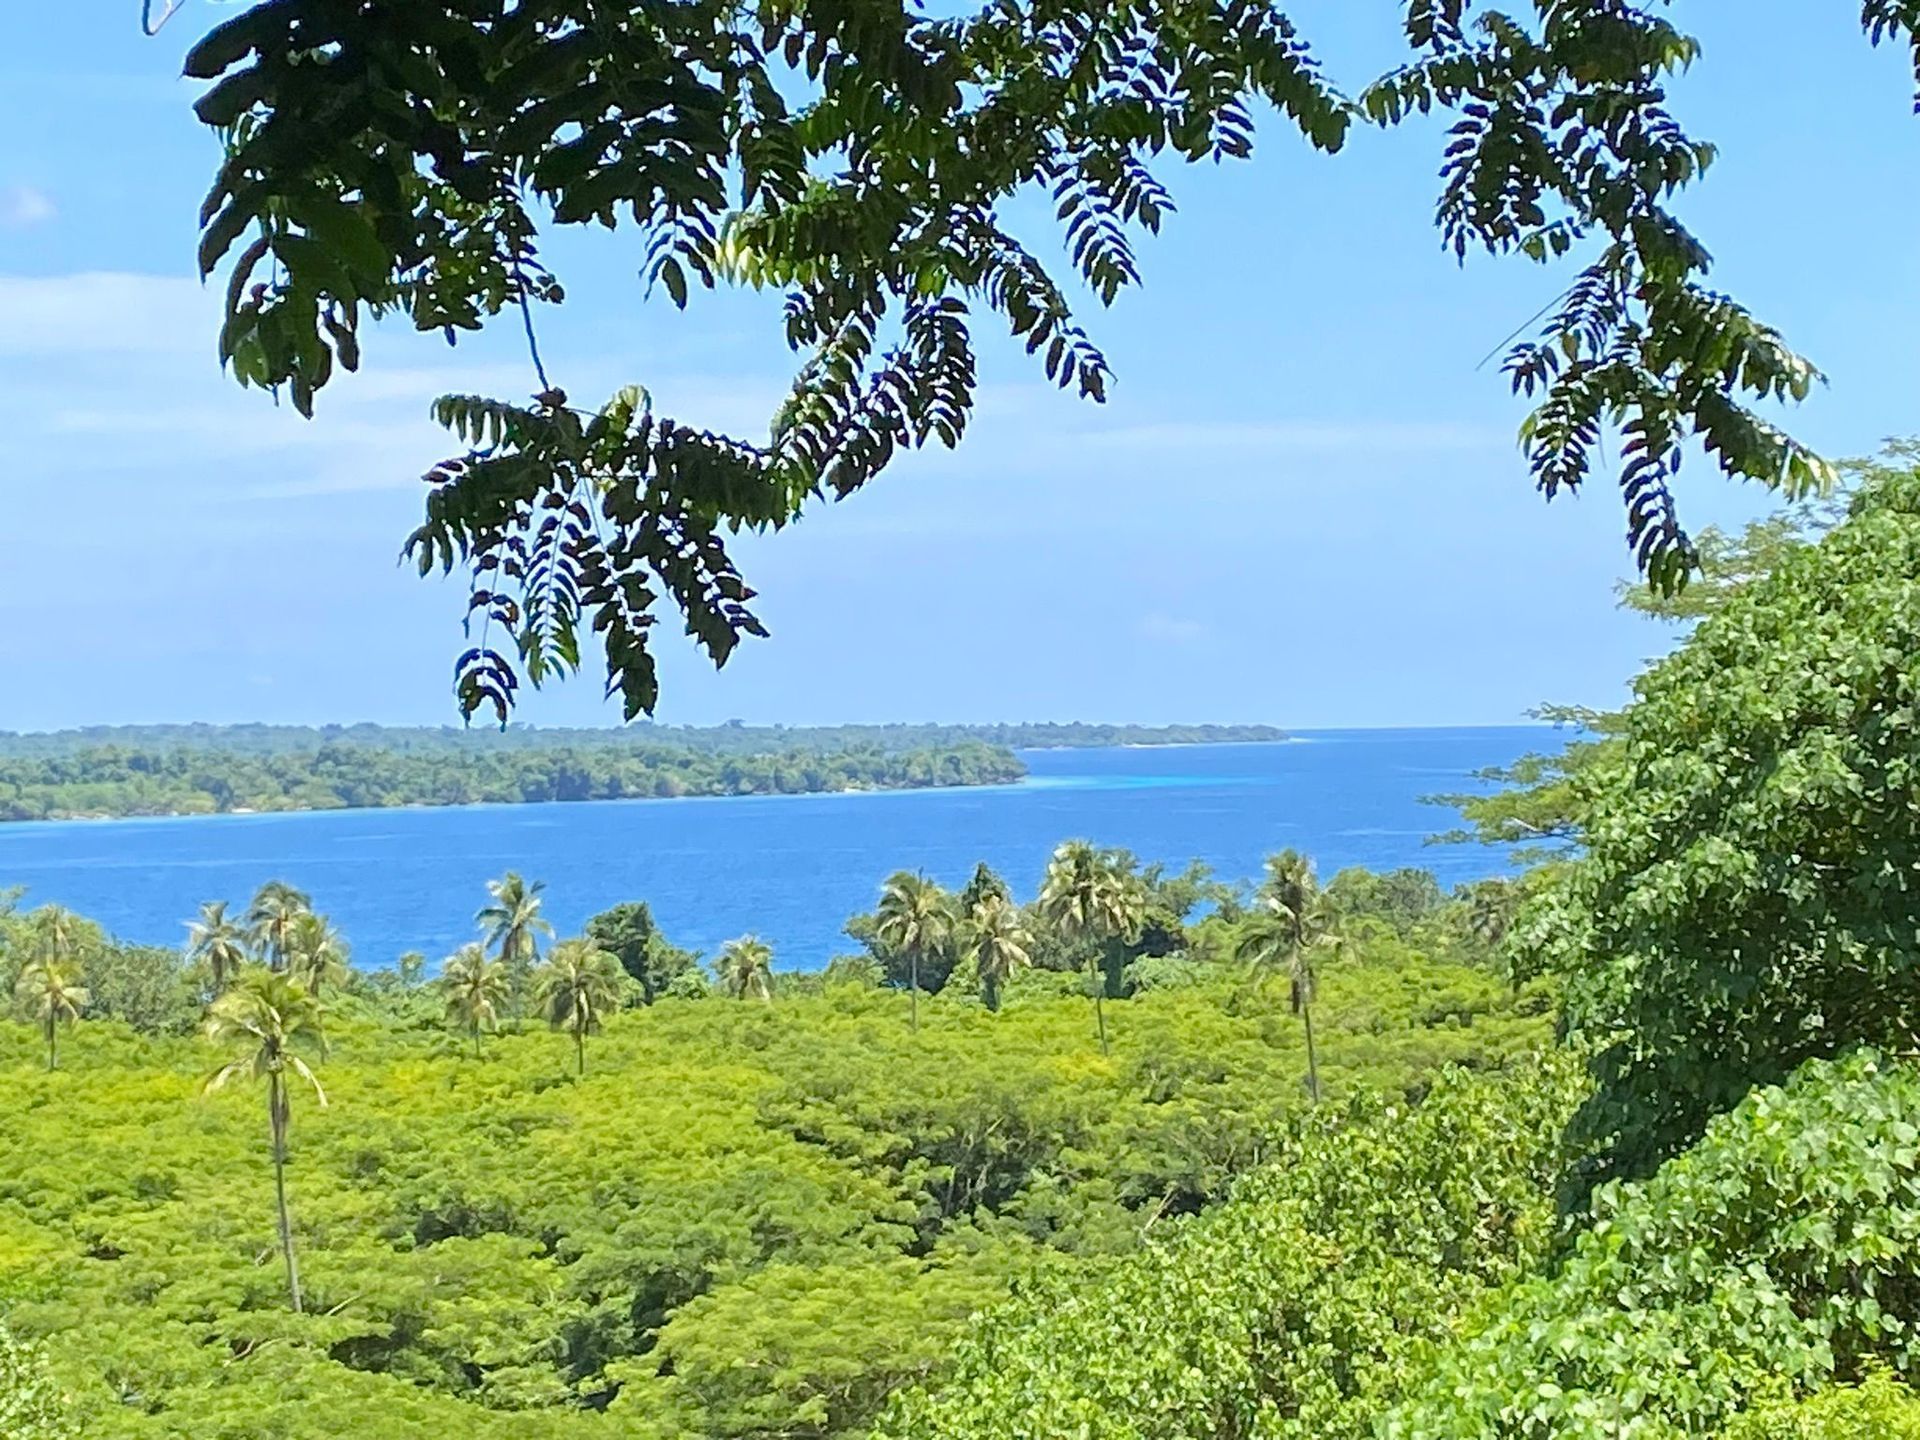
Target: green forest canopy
415,159
743,1219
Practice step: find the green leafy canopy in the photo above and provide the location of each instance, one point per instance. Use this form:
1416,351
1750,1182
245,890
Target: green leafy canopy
399,158
1748,898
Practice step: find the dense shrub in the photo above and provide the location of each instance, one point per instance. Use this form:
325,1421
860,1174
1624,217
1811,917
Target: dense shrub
1751,893
1783,1249
1290,1309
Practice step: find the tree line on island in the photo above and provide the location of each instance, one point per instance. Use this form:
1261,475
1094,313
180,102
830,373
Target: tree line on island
113,780
111,771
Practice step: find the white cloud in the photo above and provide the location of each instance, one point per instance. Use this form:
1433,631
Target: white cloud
1160,629
22,207
103,313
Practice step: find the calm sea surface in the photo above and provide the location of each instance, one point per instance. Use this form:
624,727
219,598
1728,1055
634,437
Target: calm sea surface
789,868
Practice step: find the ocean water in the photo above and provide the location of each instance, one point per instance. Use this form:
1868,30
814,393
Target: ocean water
788,868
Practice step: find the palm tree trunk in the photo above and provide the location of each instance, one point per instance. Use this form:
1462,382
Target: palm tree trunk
580,1051
53,1045
1100,1016
476,1040
913,989
277,1117
1313,1062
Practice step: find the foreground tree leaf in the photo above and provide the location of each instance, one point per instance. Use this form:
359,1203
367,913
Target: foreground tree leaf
407,159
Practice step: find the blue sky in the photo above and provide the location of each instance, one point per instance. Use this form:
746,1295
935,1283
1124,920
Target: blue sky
1303,503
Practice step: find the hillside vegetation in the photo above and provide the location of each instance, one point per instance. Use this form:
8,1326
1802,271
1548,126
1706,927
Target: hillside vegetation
746,1217
1714,1232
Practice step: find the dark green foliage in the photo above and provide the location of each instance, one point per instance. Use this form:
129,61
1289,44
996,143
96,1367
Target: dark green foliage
406,158
627,932
1400,898
1784,1249
411,159
1289,1309
1749,897
147,987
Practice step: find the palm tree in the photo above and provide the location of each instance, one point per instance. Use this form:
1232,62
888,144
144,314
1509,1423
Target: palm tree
316,954
999,944
1290,889
1290,927
49,990
577,986
915,919
512,925
745,967
1091,899
263,1020
276,909
59,931
475,990
218,942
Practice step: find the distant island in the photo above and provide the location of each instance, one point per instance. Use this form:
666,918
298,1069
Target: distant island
152,770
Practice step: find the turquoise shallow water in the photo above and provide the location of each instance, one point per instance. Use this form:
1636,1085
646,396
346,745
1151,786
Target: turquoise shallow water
790,868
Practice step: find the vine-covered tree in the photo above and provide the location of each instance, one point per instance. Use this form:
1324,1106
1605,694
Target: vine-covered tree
412,159
264,1020
985,884
628,933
